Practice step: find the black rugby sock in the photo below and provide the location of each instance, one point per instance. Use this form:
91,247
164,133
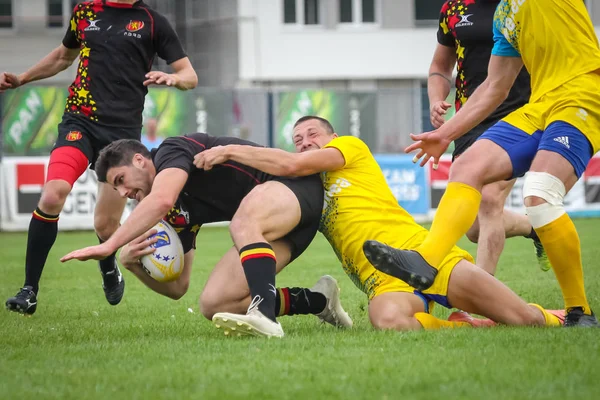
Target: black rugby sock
258,261
43,229
299,301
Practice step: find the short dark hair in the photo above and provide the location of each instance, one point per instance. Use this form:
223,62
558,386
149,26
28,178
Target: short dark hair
117,154
323,121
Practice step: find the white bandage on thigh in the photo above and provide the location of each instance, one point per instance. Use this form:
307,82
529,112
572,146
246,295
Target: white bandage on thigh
549,188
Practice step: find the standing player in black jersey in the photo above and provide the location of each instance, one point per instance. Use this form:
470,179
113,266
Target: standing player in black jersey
116,43
273,220
465,39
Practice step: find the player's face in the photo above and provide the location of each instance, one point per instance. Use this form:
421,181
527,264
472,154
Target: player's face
133,181
311,135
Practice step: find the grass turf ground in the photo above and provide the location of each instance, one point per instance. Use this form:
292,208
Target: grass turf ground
77,346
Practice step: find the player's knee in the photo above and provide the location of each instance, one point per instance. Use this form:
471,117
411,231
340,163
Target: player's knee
208,305
54,196
105,226
492,203
391,320
244,226
543,197
462,171
473,232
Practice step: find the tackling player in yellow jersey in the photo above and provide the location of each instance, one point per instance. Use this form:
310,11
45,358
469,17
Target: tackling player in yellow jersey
358,206
553,137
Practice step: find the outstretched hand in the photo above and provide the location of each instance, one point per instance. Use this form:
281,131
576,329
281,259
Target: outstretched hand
207,159
429,145
99,252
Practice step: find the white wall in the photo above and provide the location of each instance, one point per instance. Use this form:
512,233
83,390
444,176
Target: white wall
272,51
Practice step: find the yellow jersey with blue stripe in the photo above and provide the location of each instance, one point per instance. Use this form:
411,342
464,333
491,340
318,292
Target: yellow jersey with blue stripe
555,39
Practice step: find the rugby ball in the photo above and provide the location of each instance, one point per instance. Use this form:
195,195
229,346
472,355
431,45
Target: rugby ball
166,263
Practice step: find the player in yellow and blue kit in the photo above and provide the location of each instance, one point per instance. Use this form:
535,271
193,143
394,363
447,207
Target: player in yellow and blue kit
553,137
358,206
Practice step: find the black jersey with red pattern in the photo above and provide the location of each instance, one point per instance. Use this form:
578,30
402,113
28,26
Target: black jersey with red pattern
208,196
118,43
467,26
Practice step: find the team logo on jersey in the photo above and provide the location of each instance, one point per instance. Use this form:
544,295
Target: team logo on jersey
581,113
178,217
464,21
92,25
134,26
73,136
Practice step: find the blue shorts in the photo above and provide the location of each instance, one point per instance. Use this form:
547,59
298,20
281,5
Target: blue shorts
436,298
559,137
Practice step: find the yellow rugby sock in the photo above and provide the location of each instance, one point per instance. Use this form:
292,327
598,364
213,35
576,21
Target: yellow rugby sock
561,242
551,319
455,215
430,322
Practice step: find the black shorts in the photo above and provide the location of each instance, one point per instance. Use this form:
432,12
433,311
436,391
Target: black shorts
90,137
464,142
309,191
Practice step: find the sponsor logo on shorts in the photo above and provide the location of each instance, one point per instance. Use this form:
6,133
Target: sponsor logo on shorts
73,136
134,26
564,140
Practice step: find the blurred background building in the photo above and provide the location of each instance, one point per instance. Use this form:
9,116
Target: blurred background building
363,63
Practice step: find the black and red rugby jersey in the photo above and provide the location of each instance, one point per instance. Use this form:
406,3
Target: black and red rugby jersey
467,26
118,43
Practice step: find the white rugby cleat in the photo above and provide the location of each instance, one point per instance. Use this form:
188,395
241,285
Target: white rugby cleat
333,313
253,323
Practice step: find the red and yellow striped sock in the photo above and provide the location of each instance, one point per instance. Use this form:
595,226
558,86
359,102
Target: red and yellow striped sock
282,303
259,264
43,229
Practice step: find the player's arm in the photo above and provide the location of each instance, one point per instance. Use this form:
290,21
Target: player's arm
168,47
184,74
273,161
130,258
166,188
502,73
439,82
167,185
56,61
132,253
183,78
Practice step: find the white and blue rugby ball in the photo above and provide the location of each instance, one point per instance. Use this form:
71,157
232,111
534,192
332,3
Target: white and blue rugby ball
166,263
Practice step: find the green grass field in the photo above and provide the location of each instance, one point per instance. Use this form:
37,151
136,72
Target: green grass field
149,347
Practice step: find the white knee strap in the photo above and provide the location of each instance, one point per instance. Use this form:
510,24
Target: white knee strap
549,188
545,186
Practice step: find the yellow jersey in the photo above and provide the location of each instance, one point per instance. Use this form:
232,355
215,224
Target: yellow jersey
360,206
555,39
